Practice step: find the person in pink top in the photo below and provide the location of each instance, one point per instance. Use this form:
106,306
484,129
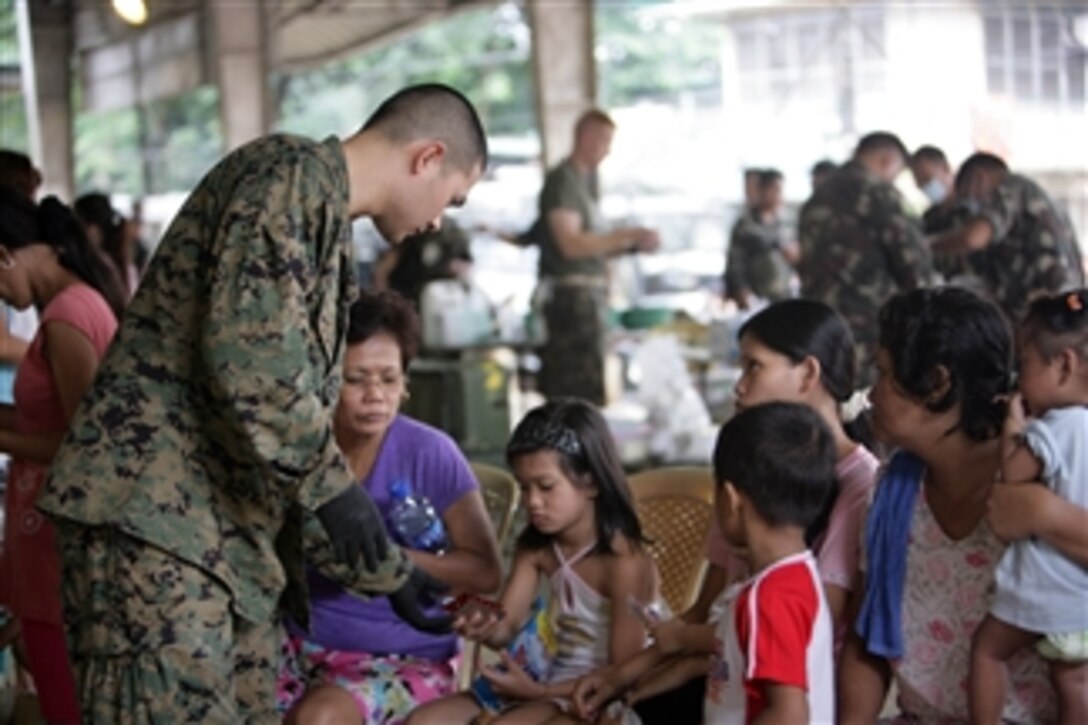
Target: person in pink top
796,351
46,261
801,351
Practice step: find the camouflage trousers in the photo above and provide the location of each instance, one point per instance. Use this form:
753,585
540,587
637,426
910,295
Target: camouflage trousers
572,359
153,639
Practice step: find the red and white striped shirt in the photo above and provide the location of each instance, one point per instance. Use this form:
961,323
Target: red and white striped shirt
775,629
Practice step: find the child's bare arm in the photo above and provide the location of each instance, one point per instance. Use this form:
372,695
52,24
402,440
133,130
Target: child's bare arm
677,637
630,580
785,704
596,689
713,584
1018,463
517,599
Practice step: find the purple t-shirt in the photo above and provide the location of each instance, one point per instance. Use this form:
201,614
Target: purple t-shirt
434,467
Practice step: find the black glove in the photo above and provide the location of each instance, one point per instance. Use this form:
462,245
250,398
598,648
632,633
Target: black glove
419,588
355,527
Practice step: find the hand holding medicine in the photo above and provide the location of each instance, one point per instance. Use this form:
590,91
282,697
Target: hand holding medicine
474,617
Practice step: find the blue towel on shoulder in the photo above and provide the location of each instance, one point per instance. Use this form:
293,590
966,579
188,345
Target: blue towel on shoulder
887,533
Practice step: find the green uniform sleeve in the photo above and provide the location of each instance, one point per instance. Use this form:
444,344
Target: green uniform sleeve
909,259
1000,208
270,366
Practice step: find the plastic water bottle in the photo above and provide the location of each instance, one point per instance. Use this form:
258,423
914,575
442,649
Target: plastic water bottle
414,520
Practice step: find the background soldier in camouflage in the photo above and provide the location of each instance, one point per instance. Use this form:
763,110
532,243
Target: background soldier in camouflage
858,244
934,177
205,447
759,260
1018,240
574,247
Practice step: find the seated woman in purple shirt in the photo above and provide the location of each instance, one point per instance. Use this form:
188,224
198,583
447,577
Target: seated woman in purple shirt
360,662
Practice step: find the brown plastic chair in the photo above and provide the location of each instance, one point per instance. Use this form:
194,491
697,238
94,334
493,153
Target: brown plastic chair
501,497
675,505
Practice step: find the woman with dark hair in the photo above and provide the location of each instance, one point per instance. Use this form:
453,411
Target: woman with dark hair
360,661
107,231
796,351
944,371
802,351
46,262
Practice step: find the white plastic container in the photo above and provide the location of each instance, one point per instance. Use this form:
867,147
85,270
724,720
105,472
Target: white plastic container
455,315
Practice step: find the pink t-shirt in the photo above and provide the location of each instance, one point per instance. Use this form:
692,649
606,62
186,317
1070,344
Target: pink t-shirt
839,547
31,567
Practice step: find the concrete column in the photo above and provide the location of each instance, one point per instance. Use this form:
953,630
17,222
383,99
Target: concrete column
47,87
239,52
564,70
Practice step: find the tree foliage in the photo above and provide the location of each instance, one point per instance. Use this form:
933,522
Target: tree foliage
13,130
483,52
644,50
163,146
647,51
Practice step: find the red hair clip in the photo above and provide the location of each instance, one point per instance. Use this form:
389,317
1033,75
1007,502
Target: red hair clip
1073,302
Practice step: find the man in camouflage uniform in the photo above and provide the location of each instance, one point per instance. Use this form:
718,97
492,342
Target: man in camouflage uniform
759,259
1017,239
934,177
574,248
858,244
205,447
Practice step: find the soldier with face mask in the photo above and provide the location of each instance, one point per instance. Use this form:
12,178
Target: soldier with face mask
935,178
1019,241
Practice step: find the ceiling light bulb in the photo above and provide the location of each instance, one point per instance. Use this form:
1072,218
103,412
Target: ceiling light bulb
133,12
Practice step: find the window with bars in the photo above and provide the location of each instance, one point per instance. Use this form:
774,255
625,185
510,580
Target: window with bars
809,56
1033,55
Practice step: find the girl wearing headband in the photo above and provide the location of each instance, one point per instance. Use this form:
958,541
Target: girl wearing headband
584,537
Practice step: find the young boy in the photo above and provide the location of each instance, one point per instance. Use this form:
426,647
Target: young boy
770,654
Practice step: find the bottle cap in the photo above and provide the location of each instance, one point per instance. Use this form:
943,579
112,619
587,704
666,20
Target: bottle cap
400,489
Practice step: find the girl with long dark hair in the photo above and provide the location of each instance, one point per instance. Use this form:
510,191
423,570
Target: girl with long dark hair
46,261
584,537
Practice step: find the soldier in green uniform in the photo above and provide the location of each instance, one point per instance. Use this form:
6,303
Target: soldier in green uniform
574,248
204,447
859,246
934,177
1018,240
760,259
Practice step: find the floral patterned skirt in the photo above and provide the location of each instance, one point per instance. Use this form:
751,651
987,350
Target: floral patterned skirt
385,687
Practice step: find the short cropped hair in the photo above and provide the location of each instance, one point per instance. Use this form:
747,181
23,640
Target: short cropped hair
881,141
955,329
375,313
781,456
931,154
822,167
769,177
434,110
592,116
979,162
